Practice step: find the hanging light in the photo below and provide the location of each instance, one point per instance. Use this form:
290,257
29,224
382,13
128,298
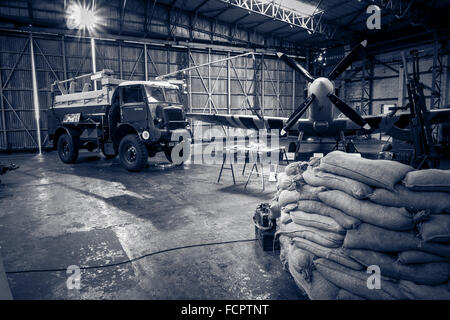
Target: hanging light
82,17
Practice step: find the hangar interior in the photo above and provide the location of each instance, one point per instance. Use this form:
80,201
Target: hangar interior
95,214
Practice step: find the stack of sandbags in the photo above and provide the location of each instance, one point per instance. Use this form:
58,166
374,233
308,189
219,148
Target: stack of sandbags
309,229
357,213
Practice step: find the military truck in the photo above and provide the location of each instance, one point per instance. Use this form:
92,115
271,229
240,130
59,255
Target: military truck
129,119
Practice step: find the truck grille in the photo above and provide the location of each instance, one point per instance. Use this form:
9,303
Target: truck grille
174,118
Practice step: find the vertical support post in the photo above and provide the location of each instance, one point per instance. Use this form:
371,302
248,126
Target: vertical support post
278,88
370,84
35,95
401,86
64,59
145,62
2,105
167,59
262,84
363,82
293,90
445,82
190,89
228,85
120,60
434,75
190,80
209,80
94,62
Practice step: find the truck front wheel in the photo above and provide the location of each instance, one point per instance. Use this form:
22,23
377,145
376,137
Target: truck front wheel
67,149
132,153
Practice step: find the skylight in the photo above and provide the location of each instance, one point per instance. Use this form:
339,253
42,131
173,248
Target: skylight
299,6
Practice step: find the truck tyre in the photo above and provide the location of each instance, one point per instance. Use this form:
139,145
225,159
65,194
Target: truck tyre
132,153
67,149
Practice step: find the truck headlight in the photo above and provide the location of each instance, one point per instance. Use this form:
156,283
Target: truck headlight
146,135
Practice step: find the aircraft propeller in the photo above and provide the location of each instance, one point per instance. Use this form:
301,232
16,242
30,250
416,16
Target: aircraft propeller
337,71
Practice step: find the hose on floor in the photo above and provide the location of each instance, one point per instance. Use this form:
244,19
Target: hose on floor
134,259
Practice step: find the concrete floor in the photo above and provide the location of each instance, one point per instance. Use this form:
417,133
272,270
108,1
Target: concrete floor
53,215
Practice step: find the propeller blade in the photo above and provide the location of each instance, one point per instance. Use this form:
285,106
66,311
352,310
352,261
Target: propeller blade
297,114
347,61
296,66
349,112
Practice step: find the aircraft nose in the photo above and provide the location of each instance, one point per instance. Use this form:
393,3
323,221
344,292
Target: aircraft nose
321,87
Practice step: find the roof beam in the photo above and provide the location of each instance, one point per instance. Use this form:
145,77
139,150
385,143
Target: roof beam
276,12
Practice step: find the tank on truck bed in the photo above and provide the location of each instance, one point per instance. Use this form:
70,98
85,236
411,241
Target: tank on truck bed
131,119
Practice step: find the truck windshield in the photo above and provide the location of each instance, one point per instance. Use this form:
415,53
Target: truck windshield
162,95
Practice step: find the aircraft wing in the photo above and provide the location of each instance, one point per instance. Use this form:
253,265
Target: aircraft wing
393,125
240,121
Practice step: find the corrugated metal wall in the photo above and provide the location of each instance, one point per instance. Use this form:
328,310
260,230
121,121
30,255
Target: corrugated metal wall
263,82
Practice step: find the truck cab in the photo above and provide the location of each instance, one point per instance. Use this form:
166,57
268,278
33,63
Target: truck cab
129,119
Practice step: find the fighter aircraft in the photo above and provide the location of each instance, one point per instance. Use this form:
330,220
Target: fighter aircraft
320,100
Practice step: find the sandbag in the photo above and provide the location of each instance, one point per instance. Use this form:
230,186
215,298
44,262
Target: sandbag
285,218
298,179
386,217
336,255
314,162
318,289
436,228
287,196
317,207
316,177
302,261
414,256
308,192
324,238
370,237
275,209
289,207
295,168
285,182
356,281
316,221
428,180
426,273
377,173
346,295
436,202
285,243
422,292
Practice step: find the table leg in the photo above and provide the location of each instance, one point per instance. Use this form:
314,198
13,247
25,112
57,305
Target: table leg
221,168
249,176
232,173
262,172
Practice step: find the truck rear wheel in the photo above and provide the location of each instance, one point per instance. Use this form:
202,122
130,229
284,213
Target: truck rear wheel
132,153
67,149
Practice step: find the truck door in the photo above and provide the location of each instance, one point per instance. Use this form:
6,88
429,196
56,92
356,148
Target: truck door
133,106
